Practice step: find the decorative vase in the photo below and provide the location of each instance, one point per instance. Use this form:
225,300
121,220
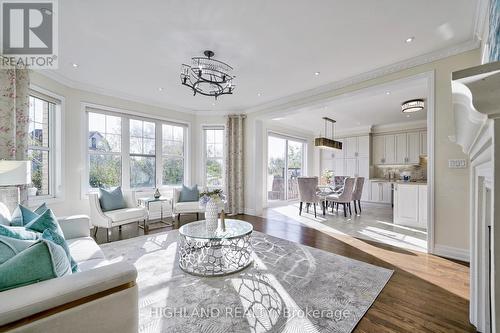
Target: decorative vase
211,215
157,194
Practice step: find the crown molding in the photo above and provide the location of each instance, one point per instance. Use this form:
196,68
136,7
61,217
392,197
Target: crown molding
307,97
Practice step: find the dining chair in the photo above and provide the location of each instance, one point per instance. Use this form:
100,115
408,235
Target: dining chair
308,193
358,191
345,197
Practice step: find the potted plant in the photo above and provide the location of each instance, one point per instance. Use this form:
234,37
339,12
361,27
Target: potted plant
328,175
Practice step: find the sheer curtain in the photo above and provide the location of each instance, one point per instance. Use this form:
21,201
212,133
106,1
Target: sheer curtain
234,164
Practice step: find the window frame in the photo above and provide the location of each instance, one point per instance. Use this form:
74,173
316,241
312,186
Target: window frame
162,155
126,116
55,146
154,155
205,158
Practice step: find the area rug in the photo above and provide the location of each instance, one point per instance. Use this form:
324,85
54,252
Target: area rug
288,288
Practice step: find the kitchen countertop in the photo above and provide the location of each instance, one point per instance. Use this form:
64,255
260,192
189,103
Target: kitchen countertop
394,181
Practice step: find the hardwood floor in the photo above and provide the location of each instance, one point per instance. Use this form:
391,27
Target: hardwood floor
426,293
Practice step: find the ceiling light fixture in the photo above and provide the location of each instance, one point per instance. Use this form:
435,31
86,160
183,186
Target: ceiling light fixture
324,142
74,65
317,73
259,94
413,105
207,76
387,92
160,89
409,39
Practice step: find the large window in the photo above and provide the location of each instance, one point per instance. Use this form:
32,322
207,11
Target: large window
142,153
40,150
172,154
152,153
105,163
214,156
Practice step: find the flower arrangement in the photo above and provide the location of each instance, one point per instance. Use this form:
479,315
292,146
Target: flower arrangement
328,175
217,195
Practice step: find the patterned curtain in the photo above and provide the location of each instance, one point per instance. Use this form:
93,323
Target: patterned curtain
14,107
234,164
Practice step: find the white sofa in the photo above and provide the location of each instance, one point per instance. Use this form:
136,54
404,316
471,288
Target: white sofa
102,297
115,218
179,208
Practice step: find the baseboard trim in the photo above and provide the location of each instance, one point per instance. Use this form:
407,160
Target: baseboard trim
250,211
451,252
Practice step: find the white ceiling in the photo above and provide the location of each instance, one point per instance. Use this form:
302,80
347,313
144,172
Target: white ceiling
131,48
361,110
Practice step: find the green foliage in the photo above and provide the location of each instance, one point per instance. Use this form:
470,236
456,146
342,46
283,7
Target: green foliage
214,173
173,171
104,171
276,166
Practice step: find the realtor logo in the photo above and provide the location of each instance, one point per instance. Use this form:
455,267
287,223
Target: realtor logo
29,34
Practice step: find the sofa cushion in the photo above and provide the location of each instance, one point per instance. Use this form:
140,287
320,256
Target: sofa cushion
45,221
189,194
126,214
9,247
83,249
22,216
18,233
188,207
112,199
59,240
42,261
5,216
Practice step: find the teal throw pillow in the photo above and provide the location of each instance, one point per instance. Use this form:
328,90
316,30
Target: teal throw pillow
23,215
45,221
41,209
189,194
18,233
56,238
41,261
111,199
9,247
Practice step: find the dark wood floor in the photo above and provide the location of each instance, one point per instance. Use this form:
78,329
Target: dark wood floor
426,293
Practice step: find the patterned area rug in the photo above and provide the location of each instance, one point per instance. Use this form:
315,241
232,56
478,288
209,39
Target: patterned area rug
288,288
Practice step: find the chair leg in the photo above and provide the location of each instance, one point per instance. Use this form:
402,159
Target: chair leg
333,206
108,234
324,208
359,205
300,208
307,207
197,216
345,210
120,228
355,208
315,210
350,211
95,231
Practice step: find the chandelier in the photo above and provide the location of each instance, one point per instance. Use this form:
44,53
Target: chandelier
413,105
207,76
324,142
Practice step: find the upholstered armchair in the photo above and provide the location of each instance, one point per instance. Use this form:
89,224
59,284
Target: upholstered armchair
345,197
358,191
308,193
191,207
115,218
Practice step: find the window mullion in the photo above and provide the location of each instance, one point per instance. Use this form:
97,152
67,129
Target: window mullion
158,153
125,152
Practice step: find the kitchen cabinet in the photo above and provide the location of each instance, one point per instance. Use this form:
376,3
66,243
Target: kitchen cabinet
378,145
364,146
410,205
351,169
423,143
338,169
401,148
390,149
350,147
413,148
380,192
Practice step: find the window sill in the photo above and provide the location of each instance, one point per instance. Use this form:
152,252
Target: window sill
37,201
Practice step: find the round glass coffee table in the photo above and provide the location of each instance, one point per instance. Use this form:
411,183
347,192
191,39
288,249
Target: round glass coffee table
222,252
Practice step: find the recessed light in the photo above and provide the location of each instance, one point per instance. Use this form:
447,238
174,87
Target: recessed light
387,92
74,65
407,116
279,118
317,73
160,89
213,104
409,39
259,94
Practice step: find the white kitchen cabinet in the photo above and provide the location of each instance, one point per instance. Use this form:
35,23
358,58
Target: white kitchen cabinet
338,169
423,143
413,150
350,167
364,146
401,148
378,151
386,192
363,167
410,205
376,191
380,192
390,149
366,194
351,147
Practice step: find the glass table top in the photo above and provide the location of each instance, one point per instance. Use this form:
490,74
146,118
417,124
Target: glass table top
153,199
234,229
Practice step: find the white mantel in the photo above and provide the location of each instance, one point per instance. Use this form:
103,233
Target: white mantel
476,106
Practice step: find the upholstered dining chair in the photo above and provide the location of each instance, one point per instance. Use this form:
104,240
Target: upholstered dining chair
308,193
338,183
345,197
358,191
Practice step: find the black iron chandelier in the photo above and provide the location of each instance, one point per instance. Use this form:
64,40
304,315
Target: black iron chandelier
207,76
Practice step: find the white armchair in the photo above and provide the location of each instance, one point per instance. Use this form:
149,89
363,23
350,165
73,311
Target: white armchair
179,208
114,218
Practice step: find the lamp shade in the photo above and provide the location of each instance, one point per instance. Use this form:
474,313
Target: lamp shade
15,173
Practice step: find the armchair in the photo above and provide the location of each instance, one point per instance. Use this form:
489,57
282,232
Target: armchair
192,207
115,218
345,197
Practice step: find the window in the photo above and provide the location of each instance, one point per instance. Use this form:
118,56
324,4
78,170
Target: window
172,154
41,145
105,162
134,152
214,156
142,153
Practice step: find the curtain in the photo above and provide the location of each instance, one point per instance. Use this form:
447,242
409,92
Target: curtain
14,107
234,164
